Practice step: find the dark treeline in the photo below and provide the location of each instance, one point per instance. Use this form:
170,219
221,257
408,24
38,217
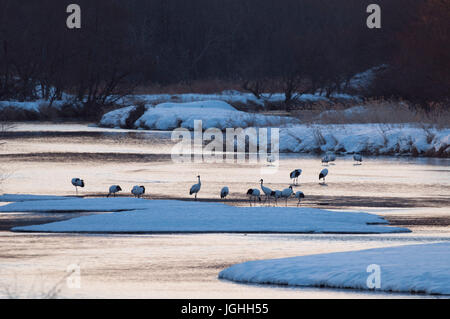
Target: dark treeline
295,46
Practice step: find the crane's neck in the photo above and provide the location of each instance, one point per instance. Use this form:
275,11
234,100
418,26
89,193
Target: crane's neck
199,180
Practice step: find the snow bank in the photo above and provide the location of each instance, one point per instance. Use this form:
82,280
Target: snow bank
146,216
117,118
374,139
218,114
412,268
26,106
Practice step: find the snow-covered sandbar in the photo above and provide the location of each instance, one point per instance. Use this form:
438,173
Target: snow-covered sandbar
131,215
412,269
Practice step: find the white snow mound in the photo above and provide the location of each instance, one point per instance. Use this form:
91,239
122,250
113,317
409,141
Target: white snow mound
411,269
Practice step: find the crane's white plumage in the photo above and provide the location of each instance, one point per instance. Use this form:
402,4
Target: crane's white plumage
196,188
138,191
299,195
276,194
113,190
254,194
323,174
294,175
77,183
286,193
266,190
224,192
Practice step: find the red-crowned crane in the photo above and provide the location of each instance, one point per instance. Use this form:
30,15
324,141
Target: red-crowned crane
286,193
113,190
224,192
294,175
323,174
299,195
196,188
254,194
138,191
77,183
276,194
266,190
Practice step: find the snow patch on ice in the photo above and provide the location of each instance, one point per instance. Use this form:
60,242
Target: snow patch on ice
147,216
412,269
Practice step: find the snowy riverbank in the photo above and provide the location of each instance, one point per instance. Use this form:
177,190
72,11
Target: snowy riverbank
213,114
132,215
368,138
411,269
373,139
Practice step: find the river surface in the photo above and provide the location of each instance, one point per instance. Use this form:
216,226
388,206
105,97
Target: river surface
43,158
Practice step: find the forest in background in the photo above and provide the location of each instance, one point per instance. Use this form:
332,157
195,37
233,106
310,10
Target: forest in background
288,46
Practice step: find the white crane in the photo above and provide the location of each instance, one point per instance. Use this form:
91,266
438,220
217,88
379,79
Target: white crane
323,174
254,194
276,194
77,183
299,195
325,159
294,175
113,190
196,188
266,190
358,158
138,191
286,193
224,192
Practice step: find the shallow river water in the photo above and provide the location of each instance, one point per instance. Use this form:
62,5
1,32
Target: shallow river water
42,159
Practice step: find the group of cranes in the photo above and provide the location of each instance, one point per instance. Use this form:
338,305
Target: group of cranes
137,191
331,158
254,194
